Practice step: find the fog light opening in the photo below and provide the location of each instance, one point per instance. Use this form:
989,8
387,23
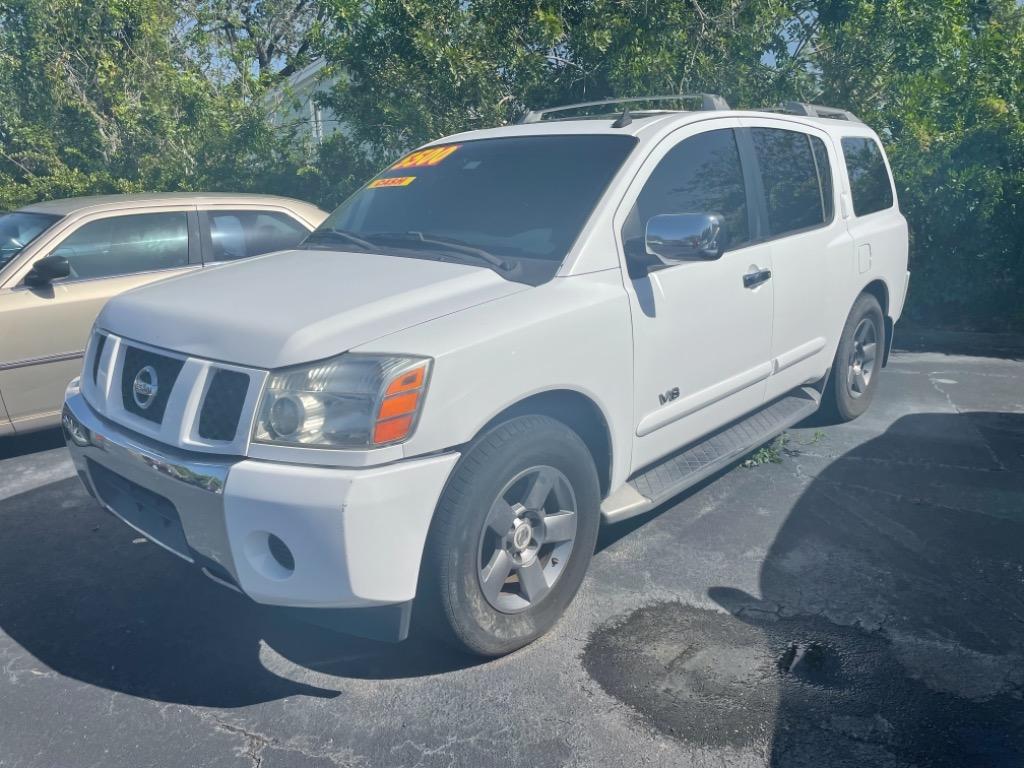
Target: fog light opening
269,556
280,552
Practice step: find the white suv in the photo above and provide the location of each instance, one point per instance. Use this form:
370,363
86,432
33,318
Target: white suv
504,339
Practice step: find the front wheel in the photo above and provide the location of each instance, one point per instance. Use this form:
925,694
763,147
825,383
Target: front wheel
858,361
512,537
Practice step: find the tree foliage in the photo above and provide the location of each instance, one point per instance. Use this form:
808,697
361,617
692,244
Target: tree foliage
253,38
164,94
941,80
943,83
109,96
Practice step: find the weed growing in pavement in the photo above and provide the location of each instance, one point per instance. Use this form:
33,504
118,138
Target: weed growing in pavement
775,451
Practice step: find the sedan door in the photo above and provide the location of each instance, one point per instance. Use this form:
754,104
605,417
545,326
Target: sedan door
701,328
46,328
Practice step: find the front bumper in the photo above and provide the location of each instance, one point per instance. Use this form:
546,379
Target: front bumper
352,538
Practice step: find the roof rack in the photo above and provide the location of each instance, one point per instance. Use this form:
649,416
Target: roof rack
817,110
708,101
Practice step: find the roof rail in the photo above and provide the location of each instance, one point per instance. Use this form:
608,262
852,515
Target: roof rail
818,110
708,101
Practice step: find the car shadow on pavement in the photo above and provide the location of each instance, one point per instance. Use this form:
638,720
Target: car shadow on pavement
34,442
888,626
88,598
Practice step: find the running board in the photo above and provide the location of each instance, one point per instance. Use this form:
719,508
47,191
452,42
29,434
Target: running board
687,467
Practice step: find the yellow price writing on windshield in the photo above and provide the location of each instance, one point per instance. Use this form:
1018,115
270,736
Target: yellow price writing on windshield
425,157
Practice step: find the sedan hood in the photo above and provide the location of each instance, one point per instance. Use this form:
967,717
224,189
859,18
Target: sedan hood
297,306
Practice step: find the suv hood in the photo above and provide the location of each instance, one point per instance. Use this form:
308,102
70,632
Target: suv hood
296,307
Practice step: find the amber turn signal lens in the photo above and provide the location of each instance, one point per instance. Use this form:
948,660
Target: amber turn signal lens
398,408
407,381
398,405
392,429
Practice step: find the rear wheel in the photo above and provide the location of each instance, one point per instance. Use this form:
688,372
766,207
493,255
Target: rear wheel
858,361
512,537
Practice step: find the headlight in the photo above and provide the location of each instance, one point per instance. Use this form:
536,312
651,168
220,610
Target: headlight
350,401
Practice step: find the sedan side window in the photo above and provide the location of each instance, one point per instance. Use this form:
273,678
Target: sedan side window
122,245
240,234
701,174
18,229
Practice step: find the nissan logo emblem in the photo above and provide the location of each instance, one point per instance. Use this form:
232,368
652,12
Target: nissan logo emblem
145,387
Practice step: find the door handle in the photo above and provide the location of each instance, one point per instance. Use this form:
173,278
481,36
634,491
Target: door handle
754,279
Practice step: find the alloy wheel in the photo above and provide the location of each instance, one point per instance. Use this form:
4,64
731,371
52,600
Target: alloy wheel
527,539
863,357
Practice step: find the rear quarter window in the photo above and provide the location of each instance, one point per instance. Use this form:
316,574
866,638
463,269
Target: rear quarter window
870,184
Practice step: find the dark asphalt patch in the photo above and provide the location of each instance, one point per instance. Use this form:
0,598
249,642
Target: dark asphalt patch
809,691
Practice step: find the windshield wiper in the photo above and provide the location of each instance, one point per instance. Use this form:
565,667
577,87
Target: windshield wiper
447,243
341,234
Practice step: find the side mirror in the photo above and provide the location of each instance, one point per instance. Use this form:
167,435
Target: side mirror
678,237
46,270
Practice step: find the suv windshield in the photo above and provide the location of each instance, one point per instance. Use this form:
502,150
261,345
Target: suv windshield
18,229
515,205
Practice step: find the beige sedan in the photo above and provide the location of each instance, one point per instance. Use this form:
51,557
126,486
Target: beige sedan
61,260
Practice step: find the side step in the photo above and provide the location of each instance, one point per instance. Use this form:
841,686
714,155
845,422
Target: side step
688,466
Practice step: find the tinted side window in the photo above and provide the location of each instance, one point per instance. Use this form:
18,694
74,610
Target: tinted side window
18,229
239,234
869,178
789,174
121,245
701,174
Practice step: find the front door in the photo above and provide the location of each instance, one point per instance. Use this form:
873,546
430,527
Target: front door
701,329
46,328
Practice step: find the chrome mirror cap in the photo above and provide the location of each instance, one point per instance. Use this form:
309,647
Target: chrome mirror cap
677,237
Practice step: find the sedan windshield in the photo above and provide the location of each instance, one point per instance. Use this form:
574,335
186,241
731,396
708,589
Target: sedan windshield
18,229
515,205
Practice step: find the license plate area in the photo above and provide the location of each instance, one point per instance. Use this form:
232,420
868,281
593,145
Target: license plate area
149,512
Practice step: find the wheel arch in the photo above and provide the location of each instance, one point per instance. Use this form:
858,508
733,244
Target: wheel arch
880,291
579,413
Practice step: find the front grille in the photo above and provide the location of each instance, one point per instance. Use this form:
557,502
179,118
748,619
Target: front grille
166,371
218,420
150,512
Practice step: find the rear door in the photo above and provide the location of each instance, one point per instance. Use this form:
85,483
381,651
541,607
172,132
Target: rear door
240,232
811,248
46,329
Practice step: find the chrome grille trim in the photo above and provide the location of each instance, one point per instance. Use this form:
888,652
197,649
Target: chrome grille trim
179,427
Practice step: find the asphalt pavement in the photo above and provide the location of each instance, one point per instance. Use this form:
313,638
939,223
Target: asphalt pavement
855,598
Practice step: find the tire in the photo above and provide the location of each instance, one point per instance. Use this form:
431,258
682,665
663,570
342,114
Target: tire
858,362
463,597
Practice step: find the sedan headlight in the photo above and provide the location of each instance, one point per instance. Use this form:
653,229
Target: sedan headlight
350,401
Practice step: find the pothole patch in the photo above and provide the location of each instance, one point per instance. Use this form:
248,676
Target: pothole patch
803,689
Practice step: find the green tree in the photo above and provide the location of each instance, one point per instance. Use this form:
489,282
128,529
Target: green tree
124,95
943,83
120,95
252,38
416,69
941,80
